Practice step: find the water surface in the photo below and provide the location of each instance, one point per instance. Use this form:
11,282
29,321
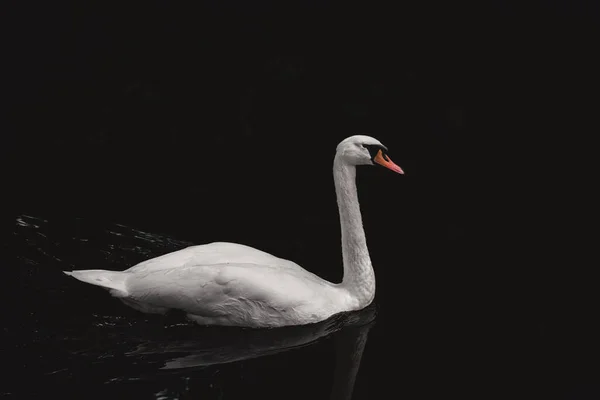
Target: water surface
430,332
75,341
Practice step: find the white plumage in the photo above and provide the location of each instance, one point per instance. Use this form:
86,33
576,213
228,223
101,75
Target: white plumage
232,284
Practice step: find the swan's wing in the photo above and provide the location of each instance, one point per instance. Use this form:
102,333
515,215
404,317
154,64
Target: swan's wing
212,254
233,291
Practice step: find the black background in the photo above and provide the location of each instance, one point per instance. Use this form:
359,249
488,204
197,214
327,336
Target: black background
182,121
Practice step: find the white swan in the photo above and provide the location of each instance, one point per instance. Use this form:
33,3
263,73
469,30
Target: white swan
236,285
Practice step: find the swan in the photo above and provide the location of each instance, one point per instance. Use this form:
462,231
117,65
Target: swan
231,284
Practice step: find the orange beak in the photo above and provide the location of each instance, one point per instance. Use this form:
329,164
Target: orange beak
385,161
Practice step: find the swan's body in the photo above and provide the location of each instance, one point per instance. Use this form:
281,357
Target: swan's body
225,284
232,284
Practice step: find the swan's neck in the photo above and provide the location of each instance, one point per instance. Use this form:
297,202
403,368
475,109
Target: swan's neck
359,277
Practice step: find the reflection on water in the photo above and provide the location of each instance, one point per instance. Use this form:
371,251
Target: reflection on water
68,348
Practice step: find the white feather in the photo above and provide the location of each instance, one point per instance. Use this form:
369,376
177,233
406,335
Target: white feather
232,284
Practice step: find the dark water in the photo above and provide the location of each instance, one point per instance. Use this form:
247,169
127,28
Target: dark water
76,342
67,339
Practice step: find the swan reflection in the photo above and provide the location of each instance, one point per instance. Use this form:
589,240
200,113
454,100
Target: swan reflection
191,347
186,348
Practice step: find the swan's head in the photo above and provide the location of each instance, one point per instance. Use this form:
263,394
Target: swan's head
365,150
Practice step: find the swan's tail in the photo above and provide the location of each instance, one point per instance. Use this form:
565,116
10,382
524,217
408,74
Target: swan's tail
114,281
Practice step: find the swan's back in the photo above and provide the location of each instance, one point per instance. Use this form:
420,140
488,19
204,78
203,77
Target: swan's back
228,284
214,254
